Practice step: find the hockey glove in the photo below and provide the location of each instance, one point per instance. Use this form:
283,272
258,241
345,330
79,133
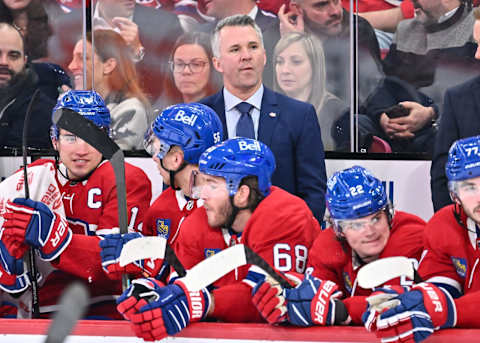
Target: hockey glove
173,309
14,283
34,223
137,295
111,247
312,302
9,264
411,316
315,302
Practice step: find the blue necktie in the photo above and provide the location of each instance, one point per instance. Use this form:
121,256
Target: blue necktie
245,123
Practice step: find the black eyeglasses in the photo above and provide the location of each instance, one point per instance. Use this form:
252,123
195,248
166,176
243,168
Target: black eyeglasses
194,66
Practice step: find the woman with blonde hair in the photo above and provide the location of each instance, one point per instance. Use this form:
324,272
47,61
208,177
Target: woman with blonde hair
115,79
300,73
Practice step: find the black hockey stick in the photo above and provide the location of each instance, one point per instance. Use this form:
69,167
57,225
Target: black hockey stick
73,304
70,120
31,264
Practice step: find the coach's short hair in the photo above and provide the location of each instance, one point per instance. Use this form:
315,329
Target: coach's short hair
234,20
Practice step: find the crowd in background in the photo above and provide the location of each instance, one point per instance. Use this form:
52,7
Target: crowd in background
273,79
162,56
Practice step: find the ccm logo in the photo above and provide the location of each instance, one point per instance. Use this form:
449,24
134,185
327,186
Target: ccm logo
321,303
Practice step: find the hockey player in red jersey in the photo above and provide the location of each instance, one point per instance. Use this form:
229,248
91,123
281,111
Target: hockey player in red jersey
176,139
365,228
240,205
179,135
450,295
68,245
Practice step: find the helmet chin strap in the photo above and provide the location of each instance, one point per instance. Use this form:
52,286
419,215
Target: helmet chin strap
57,165
235,209
173,172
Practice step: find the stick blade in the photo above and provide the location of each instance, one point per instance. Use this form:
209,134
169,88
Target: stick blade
214,267
142,248
377,273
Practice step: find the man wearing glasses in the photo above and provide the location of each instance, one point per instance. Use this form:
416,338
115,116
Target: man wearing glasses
67,234
364,228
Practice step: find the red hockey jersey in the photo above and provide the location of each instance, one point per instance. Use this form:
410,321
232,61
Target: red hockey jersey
331,260
281,230
91,211
452,258
167,213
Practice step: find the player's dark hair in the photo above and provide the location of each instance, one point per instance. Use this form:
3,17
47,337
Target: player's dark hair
255,196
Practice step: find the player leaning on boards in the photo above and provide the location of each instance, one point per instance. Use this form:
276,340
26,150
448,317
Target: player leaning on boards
450,296
240,205
68,244
364,228
176,139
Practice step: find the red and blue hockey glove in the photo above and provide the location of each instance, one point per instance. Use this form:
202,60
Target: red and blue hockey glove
312,302
410,316
8,263
137,295
111,247
14,283
34,223
171,311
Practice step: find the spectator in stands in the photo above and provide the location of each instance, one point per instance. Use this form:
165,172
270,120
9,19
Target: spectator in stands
31,19
268,24
430,52
149,33
330,23
300,73
459,119
249,109
192,76
115,79
384,16
18,82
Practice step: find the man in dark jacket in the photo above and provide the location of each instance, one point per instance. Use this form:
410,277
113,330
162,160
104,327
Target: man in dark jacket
18,82
267,22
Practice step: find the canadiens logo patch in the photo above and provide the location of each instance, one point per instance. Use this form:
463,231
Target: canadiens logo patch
460,265
211,252
163,227
348,282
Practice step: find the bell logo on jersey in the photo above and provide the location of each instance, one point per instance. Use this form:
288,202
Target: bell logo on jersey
163,227
188,120
460,265
243,145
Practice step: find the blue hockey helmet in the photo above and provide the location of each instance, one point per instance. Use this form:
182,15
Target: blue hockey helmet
463,159
87,103
193,127
237,158
354,193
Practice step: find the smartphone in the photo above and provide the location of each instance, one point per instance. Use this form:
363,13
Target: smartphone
397,111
